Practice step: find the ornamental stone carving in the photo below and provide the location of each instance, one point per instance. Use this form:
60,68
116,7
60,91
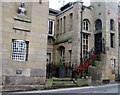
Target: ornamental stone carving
21,9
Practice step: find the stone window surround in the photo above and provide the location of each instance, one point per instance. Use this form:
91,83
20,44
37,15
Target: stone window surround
86,24
112,25
98,24
19,50
85,43
51,27
112,40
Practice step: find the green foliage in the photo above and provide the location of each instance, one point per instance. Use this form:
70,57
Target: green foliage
92,62
60,63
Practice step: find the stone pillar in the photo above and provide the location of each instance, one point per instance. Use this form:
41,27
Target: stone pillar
76,35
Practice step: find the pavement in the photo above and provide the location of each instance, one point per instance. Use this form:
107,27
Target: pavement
105,89
108,88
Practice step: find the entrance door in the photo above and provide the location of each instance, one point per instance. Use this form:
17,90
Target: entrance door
98,42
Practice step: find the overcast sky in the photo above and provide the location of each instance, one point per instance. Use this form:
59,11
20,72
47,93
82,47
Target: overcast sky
56,4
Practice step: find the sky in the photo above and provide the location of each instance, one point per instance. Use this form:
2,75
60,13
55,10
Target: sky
56,4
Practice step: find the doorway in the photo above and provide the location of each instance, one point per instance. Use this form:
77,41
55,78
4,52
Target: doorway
98,42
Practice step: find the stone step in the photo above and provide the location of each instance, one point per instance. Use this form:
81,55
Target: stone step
61,79
66,82
63,82
63,85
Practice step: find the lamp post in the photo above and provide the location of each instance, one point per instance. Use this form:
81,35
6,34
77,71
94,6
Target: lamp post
81,31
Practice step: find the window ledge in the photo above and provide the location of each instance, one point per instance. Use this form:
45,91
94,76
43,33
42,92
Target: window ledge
88,32
22,18
112,31
51,35
17,28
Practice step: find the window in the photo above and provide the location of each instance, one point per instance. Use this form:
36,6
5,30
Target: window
48,58
61,25
19,50
86,25
51,28
112,25
85,43
112,40
98,24
61,54
71,21
50,41
58,27
61,50
113,63
64,23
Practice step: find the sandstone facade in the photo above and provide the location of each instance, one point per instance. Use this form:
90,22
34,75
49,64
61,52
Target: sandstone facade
100,30
24,42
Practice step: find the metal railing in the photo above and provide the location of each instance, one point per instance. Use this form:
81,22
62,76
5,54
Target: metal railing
70,70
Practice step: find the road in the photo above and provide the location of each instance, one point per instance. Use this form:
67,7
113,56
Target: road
109,89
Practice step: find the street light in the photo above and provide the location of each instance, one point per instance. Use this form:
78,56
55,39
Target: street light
81,31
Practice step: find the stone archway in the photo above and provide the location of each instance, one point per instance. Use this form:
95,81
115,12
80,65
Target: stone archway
61,52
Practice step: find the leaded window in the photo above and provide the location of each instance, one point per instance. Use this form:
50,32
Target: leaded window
85,43
19,50
86,25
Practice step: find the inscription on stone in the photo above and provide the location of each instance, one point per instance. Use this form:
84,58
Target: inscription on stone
19,72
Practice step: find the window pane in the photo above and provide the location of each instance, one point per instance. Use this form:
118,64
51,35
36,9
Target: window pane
85,43
19,50
98,24
50,27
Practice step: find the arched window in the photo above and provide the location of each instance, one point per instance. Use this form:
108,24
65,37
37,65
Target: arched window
112,25
98,24
61,54
61,50
86,24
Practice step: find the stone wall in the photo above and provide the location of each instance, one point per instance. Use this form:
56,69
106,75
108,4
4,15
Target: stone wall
23,80
0,44
32,28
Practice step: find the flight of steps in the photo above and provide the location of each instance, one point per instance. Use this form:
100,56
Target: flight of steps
63,82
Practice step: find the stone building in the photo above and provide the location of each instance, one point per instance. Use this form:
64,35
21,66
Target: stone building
26,39
119,36
24,42
100,32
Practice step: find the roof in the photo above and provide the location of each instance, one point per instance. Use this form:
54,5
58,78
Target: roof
66,6
53,11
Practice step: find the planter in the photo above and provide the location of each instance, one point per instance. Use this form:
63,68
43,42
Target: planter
61,72
83,82
49,83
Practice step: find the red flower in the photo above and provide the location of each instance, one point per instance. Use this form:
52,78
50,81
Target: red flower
83,63
93,54
79,68
89,59
86,64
